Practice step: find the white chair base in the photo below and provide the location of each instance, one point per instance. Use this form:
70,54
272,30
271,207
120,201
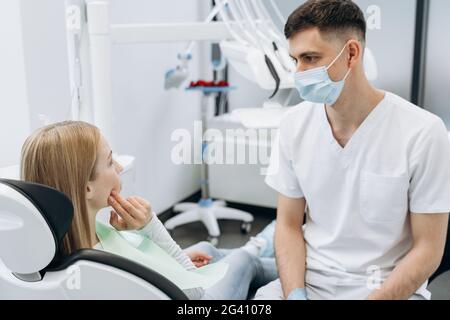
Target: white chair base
208,212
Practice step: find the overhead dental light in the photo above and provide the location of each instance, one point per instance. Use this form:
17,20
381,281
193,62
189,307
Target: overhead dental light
254,50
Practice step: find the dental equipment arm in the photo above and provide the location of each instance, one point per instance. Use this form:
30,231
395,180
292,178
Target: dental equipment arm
253,38
272,43
176,77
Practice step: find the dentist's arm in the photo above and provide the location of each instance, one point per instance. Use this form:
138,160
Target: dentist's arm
429,234
290,246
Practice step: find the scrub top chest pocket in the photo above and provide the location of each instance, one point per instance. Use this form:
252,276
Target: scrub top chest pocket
383,198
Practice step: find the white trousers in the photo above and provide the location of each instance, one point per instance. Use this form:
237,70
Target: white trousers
274,291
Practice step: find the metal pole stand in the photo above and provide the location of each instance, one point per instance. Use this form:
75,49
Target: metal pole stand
207,210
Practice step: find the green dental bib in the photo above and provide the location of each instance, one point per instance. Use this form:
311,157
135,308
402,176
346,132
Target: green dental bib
152,256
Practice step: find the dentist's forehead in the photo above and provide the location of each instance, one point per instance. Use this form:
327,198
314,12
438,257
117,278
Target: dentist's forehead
309,41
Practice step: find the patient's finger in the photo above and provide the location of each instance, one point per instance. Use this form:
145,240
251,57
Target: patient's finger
203,255
136,203
199,258
117,222
201,263
124,203
120,210
143,202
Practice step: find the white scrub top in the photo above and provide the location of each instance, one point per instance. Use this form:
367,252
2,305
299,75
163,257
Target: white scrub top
360,197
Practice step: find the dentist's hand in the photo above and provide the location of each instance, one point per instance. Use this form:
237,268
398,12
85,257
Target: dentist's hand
200,259
133,213
298,294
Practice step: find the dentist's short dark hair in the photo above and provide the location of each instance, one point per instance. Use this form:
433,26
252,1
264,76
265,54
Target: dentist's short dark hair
329,16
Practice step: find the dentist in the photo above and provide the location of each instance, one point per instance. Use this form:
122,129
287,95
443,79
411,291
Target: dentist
372,170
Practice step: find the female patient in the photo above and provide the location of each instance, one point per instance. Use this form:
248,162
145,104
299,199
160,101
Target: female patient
74,158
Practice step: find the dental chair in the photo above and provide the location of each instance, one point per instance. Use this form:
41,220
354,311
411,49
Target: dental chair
33,222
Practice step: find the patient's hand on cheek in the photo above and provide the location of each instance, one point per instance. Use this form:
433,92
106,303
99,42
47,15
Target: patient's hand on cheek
133,213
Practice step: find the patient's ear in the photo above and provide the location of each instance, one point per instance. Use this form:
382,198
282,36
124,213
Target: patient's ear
89,191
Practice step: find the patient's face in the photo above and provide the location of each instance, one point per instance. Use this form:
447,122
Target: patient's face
107,178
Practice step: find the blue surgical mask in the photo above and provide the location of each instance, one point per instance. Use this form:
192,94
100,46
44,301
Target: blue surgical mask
315,85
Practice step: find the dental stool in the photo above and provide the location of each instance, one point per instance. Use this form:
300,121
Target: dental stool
33,222
438,281
445,264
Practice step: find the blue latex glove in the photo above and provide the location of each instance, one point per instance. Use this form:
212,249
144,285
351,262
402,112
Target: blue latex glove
297,294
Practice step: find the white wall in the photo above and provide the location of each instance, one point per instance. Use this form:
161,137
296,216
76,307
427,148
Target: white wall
393,44
437,93
34,70
14,119
46,61
35,80
144,114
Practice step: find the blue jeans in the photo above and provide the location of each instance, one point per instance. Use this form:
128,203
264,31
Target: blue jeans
245,271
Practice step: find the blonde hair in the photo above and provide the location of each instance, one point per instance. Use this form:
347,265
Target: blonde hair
63,156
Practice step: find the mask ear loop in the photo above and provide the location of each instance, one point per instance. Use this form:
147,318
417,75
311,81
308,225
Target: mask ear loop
338,56
347,74
345,78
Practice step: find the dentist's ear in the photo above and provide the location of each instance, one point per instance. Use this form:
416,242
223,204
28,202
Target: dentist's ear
355,53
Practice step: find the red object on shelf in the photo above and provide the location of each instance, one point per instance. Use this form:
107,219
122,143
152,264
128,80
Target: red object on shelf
209,84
